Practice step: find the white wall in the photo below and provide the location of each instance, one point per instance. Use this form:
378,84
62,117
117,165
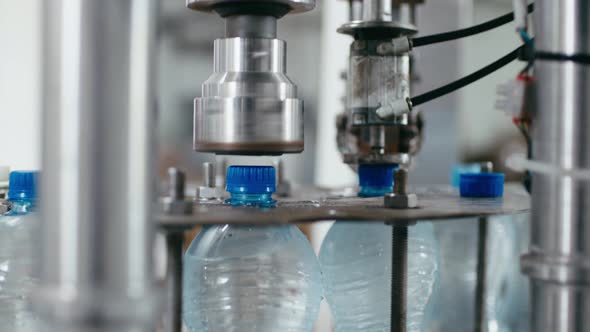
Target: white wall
20,33
481,126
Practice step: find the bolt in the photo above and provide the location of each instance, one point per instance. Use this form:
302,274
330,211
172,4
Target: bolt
400,198
487,167
209,174
400,181
176,180
283,185
210,190
280,168
175,202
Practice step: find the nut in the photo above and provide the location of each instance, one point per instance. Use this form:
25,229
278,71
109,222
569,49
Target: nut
209,193
175,207
397,201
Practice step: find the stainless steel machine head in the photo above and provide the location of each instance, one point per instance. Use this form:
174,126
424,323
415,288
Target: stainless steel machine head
376,78
248,105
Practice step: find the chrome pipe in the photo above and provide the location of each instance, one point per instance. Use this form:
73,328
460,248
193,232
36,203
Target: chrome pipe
557,262
98,155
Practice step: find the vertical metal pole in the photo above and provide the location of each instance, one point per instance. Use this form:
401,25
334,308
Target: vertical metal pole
174,241
97,184
480,323
560,227
399,274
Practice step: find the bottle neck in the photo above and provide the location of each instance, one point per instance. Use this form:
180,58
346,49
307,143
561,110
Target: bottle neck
373,191
21,206
256,200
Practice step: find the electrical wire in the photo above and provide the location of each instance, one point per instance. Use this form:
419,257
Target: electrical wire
460,83
524,35
462,33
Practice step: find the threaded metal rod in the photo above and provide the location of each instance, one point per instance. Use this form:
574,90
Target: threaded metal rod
399,269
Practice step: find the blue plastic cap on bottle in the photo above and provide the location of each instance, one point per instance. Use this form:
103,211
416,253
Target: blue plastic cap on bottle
482,185
376,175
22,185
375,180
462,169
251,180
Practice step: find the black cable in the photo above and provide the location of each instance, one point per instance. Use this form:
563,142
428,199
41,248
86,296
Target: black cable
577,58
460,83
462,33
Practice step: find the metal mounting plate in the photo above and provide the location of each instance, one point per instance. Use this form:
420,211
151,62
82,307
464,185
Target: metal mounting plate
394,29
435,203
297,6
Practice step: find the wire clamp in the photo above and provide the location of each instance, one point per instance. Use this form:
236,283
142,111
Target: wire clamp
395,108
397,46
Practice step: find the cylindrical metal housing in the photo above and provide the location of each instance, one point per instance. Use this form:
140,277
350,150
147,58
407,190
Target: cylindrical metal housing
560,241
380,10
375,80
98,154
249,105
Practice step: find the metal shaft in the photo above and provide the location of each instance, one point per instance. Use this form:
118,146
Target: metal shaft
209,175
399,273
560,231
480,323
177,181
97,182
400,181
250,26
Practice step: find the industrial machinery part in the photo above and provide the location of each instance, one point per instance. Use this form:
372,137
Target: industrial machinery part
436,203
248,105
557,262
283,184
400,198
482,264
209,190
98,182
394,144
175,202
377,77
399,278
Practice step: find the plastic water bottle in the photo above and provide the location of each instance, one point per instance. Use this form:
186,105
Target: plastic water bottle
17,253
356,262
455,294
454,298
251,278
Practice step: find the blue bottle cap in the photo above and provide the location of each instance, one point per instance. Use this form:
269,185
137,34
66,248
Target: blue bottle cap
22,185
375,180
462,169
482,185
251,180
376,175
